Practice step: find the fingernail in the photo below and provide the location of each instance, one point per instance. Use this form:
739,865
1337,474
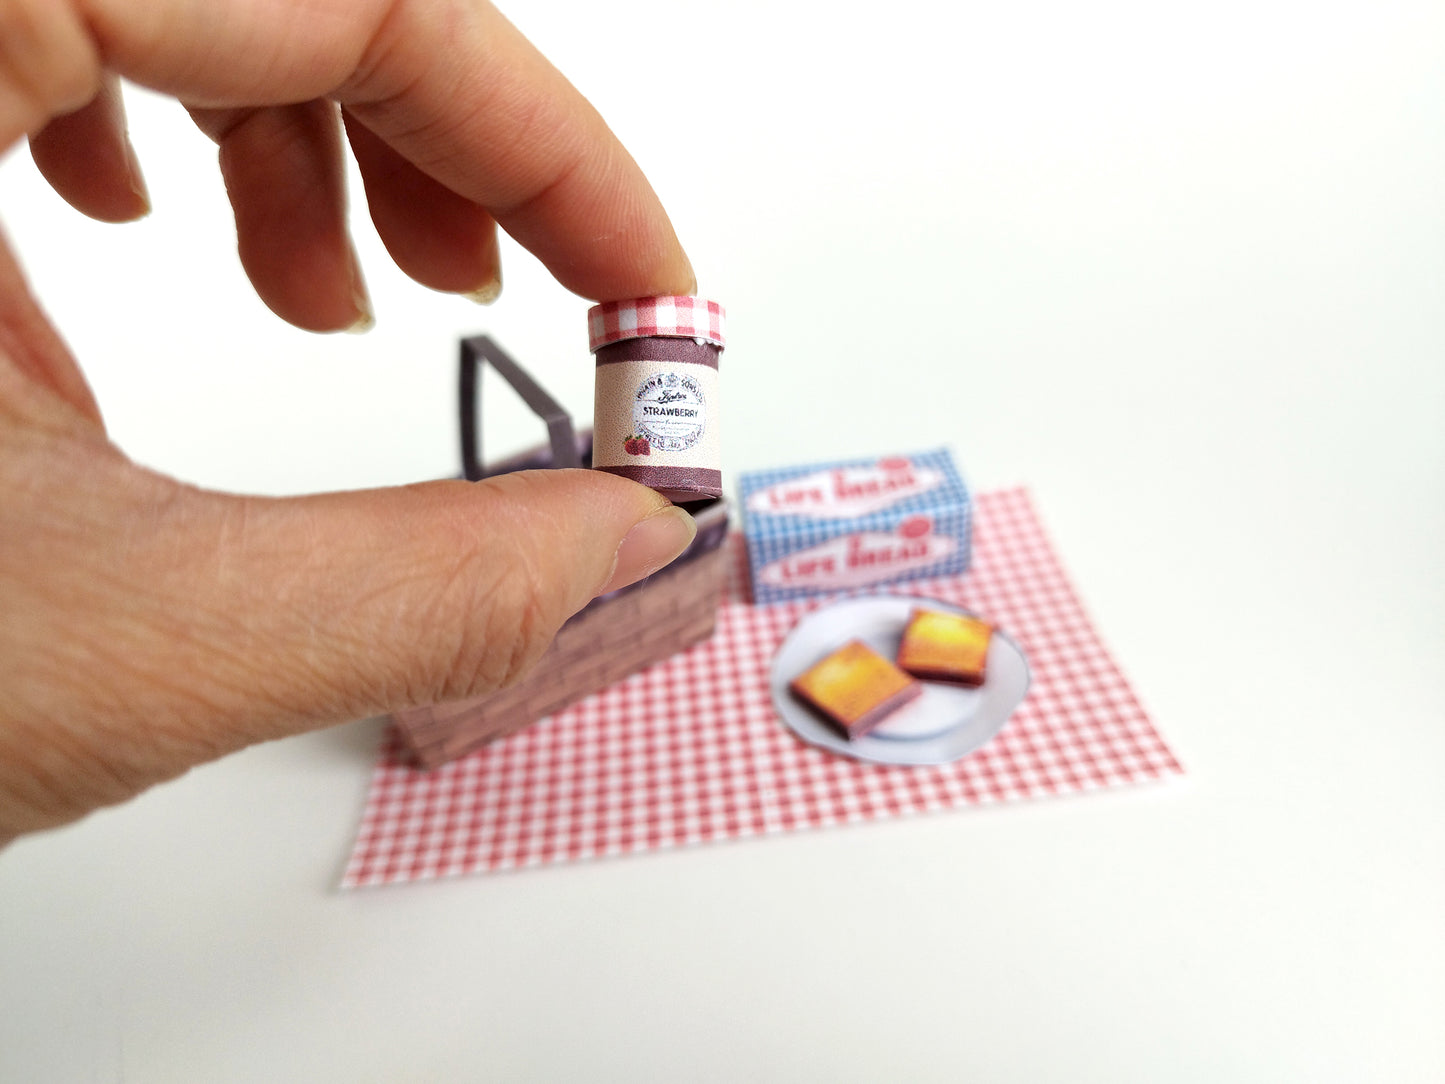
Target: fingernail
365,318
652,543
137,178
488,291
364,323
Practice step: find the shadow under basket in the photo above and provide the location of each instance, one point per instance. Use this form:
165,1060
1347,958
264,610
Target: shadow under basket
612,636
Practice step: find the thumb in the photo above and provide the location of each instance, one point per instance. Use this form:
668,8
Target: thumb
164,626
355,603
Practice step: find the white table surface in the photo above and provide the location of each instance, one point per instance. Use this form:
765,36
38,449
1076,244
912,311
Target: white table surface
1178,268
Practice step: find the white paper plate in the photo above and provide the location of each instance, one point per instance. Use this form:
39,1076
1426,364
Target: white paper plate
945,723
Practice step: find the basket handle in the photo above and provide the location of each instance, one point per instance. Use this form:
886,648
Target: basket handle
480,349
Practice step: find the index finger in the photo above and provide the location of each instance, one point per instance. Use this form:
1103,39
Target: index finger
450,84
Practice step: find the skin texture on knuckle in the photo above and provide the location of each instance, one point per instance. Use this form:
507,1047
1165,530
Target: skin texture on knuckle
384,70
519,622
223,53
365,604
55,761
87,720
48,65
90,723
503,101
503,602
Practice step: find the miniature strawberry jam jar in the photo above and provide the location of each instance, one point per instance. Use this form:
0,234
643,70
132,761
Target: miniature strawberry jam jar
656,413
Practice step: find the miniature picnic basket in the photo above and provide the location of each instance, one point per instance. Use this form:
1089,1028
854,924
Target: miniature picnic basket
612,636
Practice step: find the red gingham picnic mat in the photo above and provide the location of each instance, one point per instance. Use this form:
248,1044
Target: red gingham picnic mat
691,749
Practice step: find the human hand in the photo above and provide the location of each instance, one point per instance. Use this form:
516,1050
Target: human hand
147,626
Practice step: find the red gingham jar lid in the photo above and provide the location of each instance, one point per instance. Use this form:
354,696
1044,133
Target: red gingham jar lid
645,317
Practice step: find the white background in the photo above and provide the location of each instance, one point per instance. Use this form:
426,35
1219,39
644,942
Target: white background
1179,268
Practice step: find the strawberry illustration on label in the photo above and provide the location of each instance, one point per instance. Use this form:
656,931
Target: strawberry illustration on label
635,445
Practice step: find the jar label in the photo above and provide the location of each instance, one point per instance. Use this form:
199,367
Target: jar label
655,414
669,411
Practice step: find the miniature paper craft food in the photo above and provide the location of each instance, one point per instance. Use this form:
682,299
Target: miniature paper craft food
945,647
656,412
854,688
831,527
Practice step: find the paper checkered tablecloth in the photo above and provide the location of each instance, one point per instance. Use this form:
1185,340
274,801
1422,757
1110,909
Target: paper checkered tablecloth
692,751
